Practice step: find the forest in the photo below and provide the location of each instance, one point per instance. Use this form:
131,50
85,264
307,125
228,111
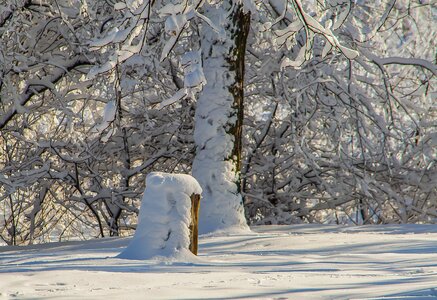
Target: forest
285,111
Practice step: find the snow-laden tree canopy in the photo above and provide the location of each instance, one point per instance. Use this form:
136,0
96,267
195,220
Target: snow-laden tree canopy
285,111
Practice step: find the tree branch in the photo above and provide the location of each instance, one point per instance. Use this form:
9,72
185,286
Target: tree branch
32,89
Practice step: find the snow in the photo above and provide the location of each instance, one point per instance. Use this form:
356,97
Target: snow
194,79
221,207
104,40
175,23
98,69
341,17
192,64
133,5
109,111
312,26
170,9
108,117
120,5
164,217
271,262
173,99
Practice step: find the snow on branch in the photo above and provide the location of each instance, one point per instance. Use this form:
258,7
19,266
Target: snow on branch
405,61
194,78
34,87
304,20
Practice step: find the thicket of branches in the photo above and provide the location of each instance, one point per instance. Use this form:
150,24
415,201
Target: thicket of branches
328,137
347,141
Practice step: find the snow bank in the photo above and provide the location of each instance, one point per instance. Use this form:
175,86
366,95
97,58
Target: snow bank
164,217
307,261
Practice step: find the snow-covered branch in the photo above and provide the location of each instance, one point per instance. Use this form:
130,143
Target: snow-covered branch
36,87
423,63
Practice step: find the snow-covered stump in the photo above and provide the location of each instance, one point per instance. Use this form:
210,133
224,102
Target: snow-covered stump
167,223
219,117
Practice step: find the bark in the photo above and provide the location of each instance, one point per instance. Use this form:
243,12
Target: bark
194,223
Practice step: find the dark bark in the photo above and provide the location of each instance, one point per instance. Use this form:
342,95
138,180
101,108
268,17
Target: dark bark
236,62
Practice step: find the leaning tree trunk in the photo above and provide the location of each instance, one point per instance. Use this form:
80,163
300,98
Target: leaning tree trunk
219,118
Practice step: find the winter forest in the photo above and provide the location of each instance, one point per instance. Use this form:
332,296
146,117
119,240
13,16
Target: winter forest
285,111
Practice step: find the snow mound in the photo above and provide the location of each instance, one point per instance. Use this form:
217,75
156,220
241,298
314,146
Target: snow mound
164,217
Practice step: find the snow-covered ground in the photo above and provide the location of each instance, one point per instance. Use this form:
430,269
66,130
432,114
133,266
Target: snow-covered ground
271,262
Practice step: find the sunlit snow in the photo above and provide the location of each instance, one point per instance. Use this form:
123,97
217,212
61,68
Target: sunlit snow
164,218
271,262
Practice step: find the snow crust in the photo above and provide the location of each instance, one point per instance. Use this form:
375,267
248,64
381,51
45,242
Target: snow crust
164,217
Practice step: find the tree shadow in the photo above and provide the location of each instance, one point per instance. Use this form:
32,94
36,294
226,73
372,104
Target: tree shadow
251,254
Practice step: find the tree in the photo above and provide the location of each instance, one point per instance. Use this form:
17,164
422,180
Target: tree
74,155
339,140
336,123
219,117
217,68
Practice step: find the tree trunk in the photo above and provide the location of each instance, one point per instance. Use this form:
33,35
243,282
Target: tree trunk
219,118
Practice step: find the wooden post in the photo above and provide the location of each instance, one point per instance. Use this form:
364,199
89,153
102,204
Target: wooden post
194,225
